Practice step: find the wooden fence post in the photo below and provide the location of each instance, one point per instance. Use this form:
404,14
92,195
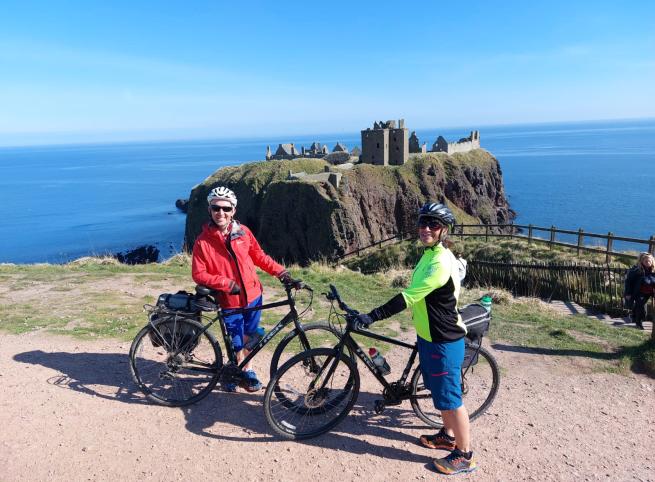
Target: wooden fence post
651,250
580,240
552,237
609,247
486,232
530,234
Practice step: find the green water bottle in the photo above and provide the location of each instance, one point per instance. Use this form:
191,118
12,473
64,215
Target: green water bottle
486,302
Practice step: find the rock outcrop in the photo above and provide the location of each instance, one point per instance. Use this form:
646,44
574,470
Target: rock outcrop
182,205
141,255
299,221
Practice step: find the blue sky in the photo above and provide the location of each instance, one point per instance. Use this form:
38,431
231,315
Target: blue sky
104,71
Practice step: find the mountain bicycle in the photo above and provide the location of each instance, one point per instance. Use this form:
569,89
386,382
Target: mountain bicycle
315,390
175,360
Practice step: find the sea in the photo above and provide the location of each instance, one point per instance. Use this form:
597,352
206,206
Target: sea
62,202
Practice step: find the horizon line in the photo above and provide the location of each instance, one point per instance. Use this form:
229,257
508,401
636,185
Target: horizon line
159,140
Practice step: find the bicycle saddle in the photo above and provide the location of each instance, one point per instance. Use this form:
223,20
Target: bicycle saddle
205,291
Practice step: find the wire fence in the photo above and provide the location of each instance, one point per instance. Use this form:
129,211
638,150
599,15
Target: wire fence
597,287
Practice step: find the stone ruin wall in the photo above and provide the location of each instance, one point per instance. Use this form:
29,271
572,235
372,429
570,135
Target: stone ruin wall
464,145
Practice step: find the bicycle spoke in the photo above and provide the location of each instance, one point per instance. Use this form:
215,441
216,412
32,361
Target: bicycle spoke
300,403
480,383
182,369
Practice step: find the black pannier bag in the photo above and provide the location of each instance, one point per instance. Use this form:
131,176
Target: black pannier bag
168,328
477,319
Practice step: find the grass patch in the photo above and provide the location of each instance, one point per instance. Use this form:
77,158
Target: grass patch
94,300
533,325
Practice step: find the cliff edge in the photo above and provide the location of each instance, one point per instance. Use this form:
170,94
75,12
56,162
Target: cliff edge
300,220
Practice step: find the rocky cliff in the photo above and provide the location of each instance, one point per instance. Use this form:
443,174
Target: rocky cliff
298,220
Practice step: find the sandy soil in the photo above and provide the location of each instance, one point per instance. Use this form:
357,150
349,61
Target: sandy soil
69,411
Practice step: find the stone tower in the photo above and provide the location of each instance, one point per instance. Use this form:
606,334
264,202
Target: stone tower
385,144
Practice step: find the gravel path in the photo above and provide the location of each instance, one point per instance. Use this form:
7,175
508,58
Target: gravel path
69,411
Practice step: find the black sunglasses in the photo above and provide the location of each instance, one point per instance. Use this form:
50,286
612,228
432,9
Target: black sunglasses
429,223
225,209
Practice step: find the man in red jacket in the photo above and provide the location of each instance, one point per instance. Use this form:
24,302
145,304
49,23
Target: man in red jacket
224,258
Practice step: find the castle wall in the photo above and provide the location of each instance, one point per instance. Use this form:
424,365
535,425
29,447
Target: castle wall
375,146
398,146
463,145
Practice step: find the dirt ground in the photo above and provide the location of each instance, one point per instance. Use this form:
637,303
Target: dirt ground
70,411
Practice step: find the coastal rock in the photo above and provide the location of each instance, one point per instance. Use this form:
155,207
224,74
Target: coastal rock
182,205
141,255
299,220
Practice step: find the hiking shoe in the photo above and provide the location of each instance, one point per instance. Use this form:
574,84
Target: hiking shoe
229,387
250,382
455,463
440,440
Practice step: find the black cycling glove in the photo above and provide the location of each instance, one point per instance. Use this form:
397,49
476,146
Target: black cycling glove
363,321
234,288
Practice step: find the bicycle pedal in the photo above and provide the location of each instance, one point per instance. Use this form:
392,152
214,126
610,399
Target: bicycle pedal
379,406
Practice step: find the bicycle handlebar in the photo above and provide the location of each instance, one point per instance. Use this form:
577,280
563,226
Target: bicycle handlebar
333,295
298,285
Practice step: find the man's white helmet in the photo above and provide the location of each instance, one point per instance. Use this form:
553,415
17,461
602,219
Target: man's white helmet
223,193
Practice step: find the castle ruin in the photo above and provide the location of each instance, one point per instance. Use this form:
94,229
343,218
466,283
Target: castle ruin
385,144
315,151
465,144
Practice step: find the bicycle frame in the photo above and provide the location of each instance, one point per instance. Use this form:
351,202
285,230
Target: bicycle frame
394,391
292,316
348,340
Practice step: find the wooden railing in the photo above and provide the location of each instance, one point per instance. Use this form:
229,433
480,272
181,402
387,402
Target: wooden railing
518,231
527,232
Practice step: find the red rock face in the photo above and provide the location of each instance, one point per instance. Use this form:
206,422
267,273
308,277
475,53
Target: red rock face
299,221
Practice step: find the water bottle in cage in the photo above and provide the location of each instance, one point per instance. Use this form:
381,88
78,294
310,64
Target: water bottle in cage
379,361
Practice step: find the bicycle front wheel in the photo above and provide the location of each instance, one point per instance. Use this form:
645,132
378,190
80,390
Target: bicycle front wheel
317,335
300,402
173,364
480,382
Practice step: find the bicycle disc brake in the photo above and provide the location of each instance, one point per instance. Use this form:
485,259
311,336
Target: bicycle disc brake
316,397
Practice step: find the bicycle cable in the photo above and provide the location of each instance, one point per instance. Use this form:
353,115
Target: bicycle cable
309,304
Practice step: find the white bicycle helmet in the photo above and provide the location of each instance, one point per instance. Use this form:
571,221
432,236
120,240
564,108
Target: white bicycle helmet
223,193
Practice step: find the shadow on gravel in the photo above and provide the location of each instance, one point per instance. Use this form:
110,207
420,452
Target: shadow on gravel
557,352
245,414
105,375
238,416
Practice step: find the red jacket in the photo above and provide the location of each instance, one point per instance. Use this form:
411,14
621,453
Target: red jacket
214,265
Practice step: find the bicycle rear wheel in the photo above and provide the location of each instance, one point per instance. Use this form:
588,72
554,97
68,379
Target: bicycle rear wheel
172,364
296,406
480,382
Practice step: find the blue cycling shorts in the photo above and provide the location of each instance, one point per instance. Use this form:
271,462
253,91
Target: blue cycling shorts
441,367
239,325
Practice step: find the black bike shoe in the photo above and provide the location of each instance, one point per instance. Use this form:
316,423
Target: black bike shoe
455,463
440,440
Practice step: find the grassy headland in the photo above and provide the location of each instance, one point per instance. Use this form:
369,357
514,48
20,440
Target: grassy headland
93,298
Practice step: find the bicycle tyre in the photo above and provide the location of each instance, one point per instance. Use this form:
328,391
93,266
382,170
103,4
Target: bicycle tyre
290,415
175,380
292,336
479,389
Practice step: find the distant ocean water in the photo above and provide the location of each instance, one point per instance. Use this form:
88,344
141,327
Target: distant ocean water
62,202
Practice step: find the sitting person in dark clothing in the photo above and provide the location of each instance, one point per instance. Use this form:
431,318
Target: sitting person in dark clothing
639,287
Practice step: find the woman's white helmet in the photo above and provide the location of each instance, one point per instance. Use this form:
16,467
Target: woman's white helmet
222,193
